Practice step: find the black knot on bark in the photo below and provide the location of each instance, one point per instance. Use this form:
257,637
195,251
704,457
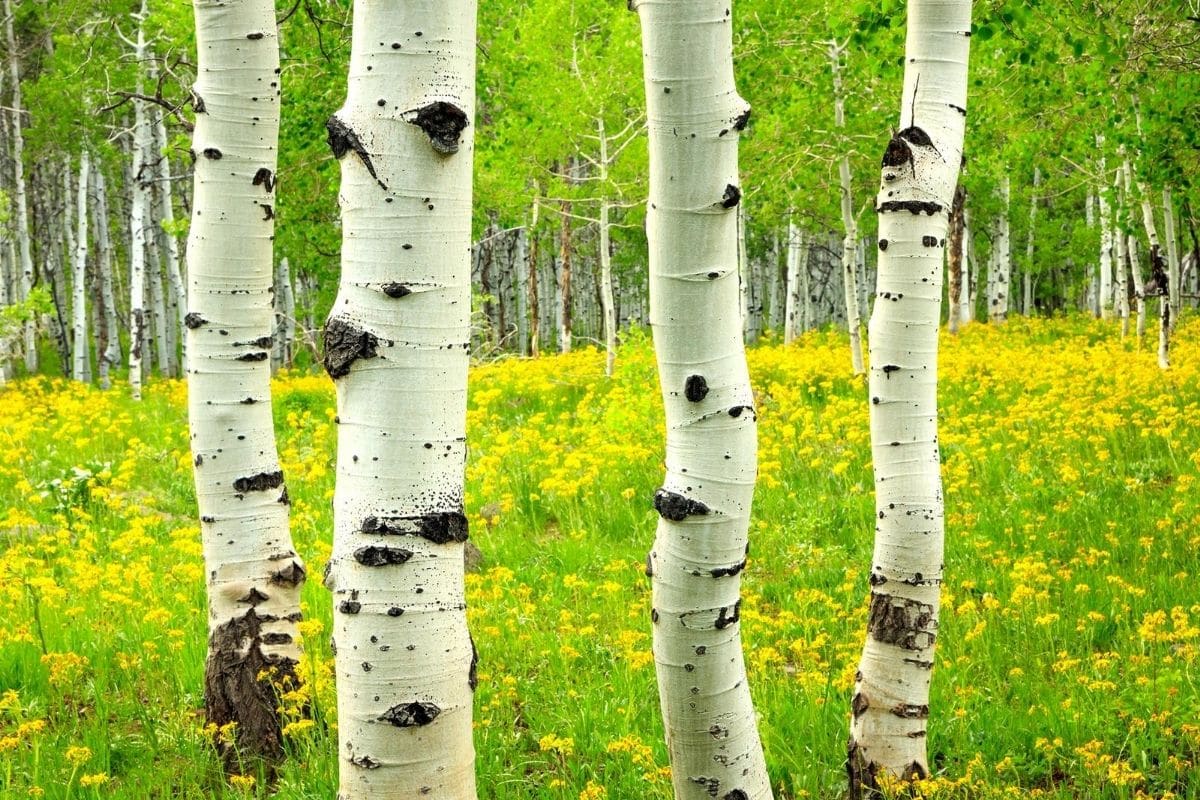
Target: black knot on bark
264,178
732,196
194,320
676,507
443,123
343,140
396,290
259,483
411,715
212,153
917,136
345,343
897,153
381,556
742,120
695,388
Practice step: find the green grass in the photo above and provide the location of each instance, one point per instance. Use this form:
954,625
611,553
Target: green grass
1070,467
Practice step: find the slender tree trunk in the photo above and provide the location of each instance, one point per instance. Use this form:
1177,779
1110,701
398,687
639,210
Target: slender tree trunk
396,348
694,115
57,216
850,238
1174,291
80,370
744,278
1001,270
1106,248
1120,266
254,575
920,170
137,226
968,295
109,344
954,258
20,193
168,246
794,287
286,298
1159,284
606,285
535,328
564,282
1027,278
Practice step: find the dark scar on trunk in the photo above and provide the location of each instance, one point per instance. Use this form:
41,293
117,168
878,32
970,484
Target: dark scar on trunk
695,388
343,140
676,507
410,715
724,620
473,670
443,123
732,196
345,343
381,556
440,528
907,624
728,572
264,178
194,320
917,207
259,483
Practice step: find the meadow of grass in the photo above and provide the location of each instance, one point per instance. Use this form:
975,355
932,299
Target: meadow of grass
1067,660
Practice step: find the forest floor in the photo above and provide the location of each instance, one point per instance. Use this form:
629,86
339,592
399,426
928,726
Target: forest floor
1068,654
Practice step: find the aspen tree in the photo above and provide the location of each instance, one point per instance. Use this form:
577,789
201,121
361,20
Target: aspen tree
695,118
108,340
1000,268
795,315
1172,254
920,169
20,191
254,575
81,360
1106,246
850,238
138,208
396,346
955,260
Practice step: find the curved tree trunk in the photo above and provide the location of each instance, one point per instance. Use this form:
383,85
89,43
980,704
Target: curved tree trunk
920,170
396,346
695,115
254,575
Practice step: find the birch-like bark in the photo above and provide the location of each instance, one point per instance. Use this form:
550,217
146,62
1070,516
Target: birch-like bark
1173,275
108,339
1121,264
792,287
254,575
744,277
1159,283
1027,278
1000,272
968,294
606,286
20,192
535,319
564,280
168,246
954,259
1131,250
137,223
285,298
849,224
920,169
695,116
396,345
81,360
1106,247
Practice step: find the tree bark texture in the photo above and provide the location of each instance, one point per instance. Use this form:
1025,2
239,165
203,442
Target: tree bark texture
920,170
397,346
695,115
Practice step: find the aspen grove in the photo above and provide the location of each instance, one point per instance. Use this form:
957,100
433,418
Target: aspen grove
379,292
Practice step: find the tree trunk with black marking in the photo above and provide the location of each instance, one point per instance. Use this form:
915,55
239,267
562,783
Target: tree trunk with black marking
954,259
397,346
695,118
849,223
138,207
254,575
920,170
80,354
20,192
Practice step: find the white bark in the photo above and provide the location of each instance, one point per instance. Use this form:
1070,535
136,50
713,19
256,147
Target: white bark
81,360
606,287
109,354
1106,248
891,701
1120,265
1159,281
20,193
168,246
396,346
1027,278
137,225
849,224
1173,274
792,286
743,265
253,573
967,296
1000,273
695,115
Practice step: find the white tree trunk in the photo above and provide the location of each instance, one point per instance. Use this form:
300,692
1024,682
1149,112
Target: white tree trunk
168,246
20,192
138,207
81,359
792,286
1159,283
1027,278
254,575
967,298
1120,266
109,354
1106,247
743,268
849,224
695,115
396,347
1000,273
1173,275
920,170
606,290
